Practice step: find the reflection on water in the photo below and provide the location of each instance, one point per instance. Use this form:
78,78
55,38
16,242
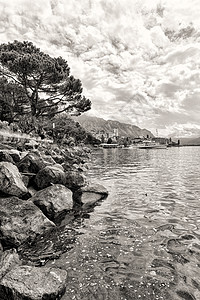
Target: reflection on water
142,242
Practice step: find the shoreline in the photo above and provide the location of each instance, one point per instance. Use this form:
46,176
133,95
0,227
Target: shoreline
40,188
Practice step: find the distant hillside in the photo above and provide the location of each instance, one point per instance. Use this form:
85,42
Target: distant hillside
190,141
126,130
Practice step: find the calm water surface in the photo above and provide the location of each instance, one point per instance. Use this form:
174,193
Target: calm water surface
143,241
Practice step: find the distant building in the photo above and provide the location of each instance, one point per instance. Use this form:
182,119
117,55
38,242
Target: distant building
116,133
103,136
161,140
137,140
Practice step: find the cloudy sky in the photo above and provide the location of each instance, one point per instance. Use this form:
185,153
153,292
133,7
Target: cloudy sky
138,60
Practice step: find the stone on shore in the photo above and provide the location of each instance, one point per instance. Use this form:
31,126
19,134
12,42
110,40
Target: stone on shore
33,283
90,194
53,200
48,159
9,259
31,163
11,180
15,154
4,156
74,180
20,221
48,175
25,180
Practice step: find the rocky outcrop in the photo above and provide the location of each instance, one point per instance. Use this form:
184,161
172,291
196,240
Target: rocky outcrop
20,220
90,194
48,175
33,283
26,225
53,200
10,180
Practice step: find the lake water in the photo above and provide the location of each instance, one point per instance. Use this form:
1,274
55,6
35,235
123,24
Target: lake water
143,241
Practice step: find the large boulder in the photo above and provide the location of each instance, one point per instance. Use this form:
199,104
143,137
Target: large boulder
90,194
74,180
20,221
33,283
48,175
53,200
31,163
10,180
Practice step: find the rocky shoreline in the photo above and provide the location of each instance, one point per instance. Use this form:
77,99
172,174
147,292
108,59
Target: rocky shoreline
41,191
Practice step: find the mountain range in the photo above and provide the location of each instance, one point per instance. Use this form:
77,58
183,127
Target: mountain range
190,141
124,130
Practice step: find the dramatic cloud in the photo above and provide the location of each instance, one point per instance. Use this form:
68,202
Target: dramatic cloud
139,62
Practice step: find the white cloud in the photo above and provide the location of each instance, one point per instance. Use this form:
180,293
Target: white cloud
122,51
158,37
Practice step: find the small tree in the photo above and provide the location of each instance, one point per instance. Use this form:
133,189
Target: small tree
45,82
65,128
12,99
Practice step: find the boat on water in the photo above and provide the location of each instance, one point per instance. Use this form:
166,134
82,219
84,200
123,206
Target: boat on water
134,146
148,144
105,145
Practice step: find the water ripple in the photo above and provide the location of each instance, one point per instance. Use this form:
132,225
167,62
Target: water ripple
143,241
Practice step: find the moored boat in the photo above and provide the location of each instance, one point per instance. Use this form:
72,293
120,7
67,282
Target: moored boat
148,144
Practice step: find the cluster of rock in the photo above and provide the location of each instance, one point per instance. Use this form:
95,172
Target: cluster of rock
36,188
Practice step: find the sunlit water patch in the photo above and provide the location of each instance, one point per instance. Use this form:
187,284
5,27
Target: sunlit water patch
142,242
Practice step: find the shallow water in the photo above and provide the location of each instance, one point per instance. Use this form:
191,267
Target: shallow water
143,241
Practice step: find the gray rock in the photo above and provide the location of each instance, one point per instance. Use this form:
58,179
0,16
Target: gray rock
21,220
15,154
32,190
25,180
1,250
58,158
90,194
53,200
74,180
59,166
48,160
49,175
9,259
31,144
4,156
33,283
31,163
95,188
10,180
